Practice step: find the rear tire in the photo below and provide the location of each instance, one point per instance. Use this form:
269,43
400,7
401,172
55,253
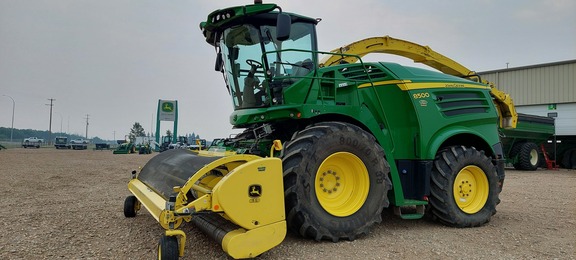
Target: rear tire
464,187
573,159
528,157
335,181
569,159
131,206
168,248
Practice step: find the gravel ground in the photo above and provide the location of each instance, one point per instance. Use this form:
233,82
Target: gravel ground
68,204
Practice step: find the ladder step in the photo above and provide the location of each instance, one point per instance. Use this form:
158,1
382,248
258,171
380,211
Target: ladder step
418,214
411,216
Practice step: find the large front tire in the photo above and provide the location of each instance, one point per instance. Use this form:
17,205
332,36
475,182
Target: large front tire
464,187
335,180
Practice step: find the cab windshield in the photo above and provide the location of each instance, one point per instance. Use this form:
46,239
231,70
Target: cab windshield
257,66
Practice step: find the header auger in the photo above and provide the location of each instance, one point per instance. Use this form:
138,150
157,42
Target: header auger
358,137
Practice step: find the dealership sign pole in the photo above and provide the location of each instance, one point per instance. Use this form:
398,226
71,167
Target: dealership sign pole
167,111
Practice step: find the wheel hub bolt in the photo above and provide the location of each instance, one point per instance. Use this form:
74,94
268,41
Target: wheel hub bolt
329,184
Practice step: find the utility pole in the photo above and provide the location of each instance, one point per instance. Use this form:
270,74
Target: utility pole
87,117
13,107
50,126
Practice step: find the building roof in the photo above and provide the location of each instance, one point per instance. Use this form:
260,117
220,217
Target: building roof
529,66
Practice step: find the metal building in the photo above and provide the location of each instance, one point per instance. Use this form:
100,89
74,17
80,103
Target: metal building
545,89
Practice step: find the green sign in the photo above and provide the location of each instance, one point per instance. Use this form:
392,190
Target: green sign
551,106
168,107
167,110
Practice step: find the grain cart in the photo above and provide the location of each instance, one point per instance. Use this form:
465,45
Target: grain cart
522,144
326,147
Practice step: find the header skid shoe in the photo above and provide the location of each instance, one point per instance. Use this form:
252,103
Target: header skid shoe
237,200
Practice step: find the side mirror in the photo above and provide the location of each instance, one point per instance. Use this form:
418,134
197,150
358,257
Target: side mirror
283,25
219,62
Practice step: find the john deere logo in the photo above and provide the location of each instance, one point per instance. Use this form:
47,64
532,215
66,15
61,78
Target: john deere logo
255,191
167,107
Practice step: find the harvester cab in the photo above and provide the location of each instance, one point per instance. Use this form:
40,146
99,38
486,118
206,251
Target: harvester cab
325,147
261,55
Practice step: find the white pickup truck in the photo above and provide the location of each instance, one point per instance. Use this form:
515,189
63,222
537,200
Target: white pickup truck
79,144
32,142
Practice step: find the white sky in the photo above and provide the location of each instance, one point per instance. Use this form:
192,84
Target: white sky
113,59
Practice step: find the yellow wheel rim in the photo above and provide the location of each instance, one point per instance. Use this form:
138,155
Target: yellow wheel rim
137,205
533,157
342,184
471,189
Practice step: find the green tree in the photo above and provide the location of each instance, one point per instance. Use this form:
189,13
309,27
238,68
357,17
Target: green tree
136,131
